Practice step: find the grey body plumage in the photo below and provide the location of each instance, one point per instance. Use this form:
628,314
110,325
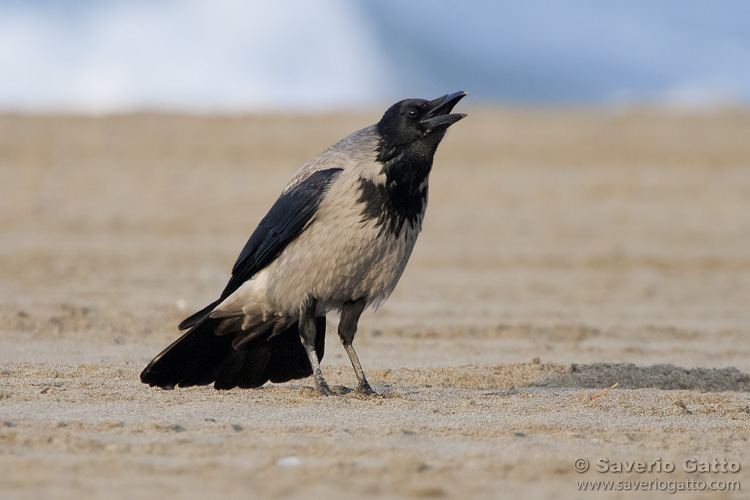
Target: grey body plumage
337,239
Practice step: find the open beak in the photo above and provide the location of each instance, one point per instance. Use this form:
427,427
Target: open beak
439,113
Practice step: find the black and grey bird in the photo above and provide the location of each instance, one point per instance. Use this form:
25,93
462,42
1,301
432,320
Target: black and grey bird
337,239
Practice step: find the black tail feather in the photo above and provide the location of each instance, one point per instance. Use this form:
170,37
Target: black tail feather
196,318
230,370
193,359
288,359
201,357
252,373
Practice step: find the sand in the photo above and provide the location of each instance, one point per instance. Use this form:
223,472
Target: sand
564,251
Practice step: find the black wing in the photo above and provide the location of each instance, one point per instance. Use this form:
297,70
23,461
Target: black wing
288,218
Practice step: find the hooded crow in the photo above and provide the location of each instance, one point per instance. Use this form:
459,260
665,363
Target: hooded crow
337,239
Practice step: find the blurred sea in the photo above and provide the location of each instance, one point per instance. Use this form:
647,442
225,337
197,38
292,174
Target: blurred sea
237,56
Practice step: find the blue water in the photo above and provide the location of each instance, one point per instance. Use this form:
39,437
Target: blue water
232,55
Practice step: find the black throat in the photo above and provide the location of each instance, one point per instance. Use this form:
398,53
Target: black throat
403,196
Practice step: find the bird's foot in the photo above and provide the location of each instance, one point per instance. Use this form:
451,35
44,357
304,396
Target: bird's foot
364,389
322,389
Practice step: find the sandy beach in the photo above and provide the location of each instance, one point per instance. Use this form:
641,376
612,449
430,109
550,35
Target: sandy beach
564,251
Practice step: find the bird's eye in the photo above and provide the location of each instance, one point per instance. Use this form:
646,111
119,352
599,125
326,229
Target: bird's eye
412,112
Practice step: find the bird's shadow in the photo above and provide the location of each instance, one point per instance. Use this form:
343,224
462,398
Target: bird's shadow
349,392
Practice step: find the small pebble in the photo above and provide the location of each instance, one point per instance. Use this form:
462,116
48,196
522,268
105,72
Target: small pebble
289,462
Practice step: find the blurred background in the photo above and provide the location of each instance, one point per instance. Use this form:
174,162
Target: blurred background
240,56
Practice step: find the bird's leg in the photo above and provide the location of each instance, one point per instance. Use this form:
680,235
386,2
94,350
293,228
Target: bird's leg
350,313
307,332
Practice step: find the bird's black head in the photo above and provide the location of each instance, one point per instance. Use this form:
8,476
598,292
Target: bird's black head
409,134
418,123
